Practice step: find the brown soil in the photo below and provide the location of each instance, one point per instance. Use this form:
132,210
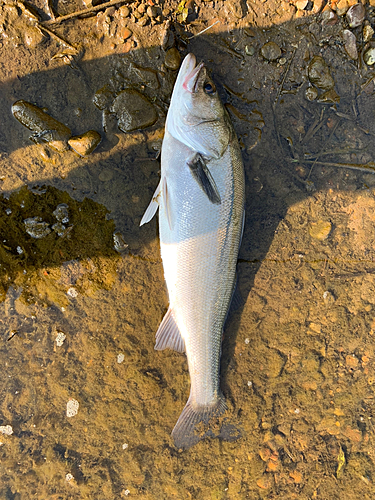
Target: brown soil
298,355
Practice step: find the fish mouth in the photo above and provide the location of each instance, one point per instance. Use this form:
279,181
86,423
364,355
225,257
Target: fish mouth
191,78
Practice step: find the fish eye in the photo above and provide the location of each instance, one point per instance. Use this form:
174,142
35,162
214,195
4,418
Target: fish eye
209,88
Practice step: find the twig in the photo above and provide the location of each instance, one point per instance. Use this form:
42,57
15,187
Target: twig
102,6
57,38
365,167
284,78
206,29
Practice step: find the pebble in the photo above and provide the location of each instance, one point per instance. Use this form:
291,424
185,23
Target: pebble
320,230
133,111
250,50
319,73
152,11
59,228
124,11
72,292
172,59
330,97
36,228
72,408
124,33
270,51
143,20
119,243
350,43
342,7
301,4
60,338
120,358
6,429
85,144
69,477
311,93
367,33
369,56
355,15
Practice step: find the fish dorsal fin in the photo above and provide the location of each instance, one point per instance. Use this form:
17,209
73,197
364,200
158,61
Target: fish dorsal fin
204,178
166,201
168,334
152,207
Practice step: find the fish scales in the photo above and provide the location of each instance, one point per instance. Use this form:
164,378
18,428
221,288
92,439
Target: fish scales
201,210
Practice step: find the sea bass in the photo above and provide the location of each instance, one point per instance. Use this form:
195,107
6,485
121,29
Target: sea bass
200,198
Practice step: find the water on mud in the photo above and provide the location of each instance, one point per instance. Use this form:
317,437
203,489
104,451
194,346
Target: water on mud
86,404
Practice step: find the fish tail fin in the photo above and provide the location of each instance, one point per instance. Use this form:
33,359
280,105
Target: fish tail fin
186,432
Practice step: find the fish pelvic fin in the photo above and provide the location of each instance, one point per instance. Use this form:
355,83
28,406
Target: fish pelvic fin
152,207
168,335
197,423
203,177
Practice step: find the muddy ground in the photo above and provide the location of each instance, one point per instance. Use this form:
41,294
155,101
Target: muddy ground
86,404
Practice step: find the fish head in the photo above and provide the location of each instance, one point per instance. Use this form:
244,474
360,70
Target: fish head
196,116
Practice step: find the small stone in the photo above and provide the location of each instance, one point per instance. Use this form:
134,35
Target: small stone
143,20
350,43
328,297
270,51
120,358
6,429
19,250
250,50
331,96
301,4
124,11
36,228
355,15
152,11
369,56
172,59
59,228
367,33
61,213
72,292
69,477
320,230
141,8
319,73
60,338
72,408
85,144
342,7
119,243
124,33
133,111
311,93
318,6
125,446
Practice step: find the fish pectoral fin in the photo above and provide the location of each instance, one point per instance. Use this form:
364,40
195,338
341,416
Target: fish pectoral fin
152,207
204,178
168,334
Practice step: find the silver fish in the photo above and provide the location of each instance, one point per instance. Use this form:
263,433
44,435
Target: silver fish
200,198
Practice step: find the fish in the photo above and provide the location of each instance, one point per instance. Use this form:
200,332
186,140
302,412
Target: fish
201,199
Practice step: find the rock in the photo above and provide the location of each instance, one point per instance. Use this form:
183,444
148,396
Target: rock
320,230
350,44
152,11
270,51
85,144
301,4
311,93
172,59
369,56
36,228
355,15
342,7
124,11
133,111
367,33
330,96
319,73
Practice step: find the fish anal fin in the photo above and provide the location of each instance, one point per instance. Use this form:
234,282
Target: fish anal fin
197,422
202,175
152,207
168,335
